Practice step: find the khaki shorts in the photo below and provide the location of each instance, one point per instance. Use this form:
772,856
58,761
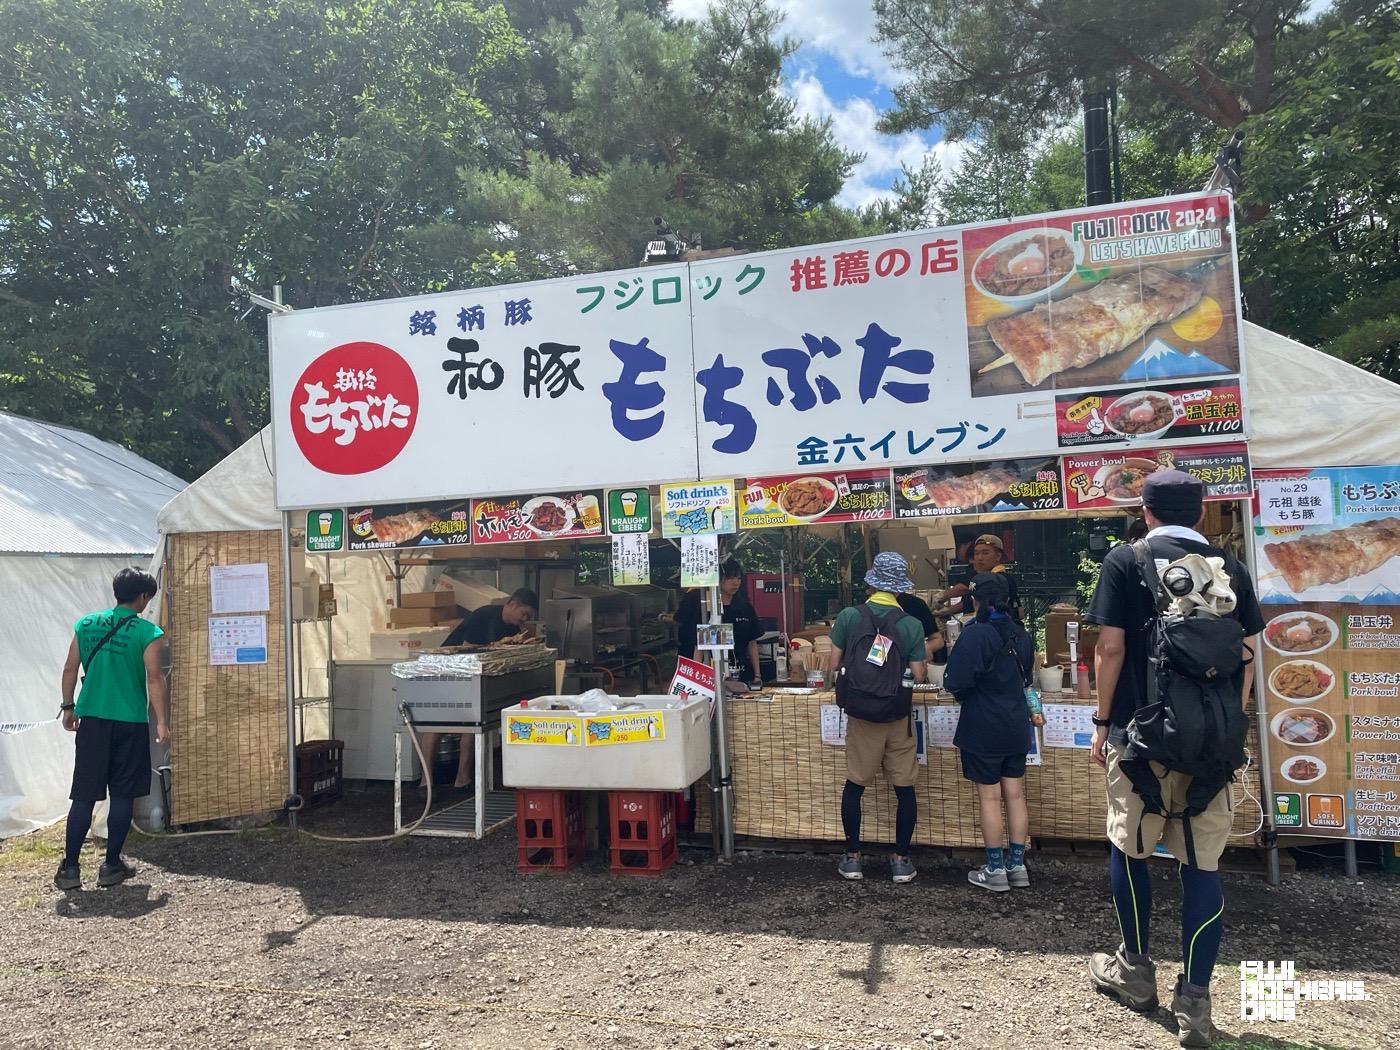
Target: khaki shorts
872,746
1210,830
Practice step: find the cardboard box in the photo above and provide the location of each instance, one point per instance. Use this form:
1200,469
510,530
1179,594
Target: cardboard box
424,617
402,645
470,594
306,598
444,599
326,607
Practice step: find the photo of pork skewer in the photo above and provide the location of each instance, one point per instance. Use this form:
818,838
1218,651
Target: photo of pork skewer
1331,557
402,527
1089,325
972,490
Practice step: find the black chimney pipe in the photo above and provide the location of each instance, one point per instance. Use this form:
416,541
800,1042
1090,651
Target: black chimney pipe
1098,149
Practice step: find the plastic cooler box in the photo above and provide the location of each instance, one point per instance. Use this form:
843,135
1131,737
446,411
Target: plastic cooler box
571,750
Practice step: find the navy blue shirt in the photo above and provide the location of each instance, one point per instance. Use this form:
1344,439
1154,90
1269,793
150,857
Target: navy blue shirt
990,684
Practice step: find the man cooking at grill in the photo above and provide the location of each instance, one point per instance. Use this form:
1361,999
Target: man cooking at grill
490,623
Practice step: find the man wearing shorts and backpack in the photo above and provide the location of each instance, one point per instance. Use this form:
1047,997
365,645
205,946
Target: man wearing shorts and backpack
1178,626
119,657
877,653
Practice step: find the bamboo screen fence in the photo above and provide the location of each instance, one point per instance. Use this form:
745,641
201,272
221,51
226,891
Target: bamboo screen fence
228,752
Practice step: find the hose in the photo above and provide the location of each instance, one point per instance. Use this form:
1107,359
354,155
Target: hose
405,830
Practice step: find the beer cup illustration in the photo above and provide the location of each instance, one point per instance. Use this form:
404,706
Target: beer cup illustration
323,522
1282,802
629,503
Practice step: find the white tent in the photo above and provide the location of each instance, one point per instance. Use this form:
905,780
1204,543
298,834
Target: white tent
1307,409
76,511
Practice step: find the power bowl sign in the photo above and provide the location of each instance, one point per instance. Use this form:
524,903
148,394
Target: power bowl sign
354,408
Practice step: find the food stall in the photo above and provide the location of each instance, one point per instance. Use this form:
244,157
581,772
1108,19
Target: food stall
1033,370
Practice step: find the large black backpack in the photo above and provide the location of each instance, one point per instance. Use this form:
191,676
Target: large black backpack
874,693
1193,721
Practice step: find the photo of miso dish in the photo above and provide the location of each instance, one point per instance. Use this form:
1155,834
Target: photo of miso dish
1303,726
1300,681
1300,633
1122,482
1303,769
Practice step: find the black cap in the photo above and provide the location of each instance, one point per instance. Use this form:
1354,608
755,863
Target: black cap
1174,496
991,588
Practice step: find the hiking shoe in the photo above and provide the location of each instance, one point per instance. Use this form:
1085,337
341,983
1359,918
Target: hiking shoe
902,869
69,877
850,867
112,874
1193,1025
1018,876
993,879
1133,986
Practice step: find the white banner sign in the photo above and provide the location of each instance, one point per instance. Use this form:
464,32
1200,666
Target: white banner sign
1092,329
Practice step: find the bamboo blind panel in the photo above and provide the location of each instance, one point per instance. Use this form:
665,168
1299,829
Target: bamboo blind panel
787,785
228,748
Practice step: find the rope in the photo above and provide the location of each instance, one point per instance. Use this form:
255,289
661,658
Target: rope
514,1011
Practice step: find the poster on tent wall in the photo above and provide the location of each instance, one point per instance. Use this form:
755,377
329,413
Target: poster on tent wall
1327,542
942,346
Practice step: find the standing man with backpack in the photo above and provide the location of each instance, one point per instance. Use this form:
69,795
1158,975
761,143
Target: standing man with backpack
119,656
1178,628
877,653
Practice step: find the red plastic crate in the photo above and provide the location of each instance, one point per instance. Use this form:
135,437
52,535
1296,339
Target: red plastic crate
642,832
549,830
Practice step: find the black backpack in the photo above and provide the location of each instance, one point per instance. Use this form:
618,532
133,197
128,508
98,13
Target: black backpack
874,693
1193,721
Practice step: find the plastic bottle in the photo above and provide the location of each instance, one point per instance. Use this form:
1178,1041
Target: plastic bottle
1081,674
1033,704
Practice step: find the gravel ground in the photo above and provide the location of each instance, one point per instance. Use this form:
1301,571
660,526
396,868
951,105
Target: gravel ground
264,940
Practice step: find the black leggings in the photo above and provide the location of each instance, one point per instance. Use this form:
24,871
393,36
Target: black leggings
906,816
80,823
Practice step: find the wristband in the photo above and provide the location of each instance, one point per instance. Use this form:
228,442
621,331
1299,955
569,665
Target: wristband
1102,723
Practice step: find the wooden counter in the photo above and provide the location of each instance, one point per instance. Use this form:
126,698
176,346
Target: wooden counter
787,783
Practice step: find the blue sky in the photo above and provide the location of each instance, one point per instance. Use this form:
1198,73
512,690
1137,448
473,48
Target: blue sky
839,74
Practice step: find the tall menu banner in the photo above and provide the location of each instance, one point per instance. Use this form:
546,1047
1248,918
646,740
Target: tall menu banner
972,343
1328,553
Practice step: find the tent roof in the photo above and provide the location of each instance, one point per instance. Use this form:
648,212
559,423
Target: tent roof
1306,409
1309,409
234,495
66,492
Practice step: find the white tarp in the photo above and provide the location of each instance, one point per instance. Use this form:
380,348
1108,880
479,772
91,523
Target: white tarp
1308,409
916,348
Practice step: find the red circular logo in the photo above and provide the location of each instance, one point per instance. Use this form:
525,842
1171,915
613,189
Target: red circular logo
354,408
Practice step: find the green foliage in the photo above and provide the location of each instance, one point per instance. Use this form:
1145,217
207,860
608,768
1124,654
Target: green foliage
151,150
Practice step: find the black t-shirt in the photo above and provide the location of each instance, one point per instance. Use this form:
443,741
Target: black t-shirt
1123,600
482,627
916,607
738,612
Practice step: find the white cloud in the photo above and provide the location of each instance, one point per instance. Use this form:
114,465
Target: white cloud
853,125
844,29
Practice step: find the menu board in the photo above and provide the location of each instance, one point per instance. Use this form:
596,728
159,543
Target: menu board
1331,660
1114,479
400,526
1011,485
805,499
524,519
1165,413
699,509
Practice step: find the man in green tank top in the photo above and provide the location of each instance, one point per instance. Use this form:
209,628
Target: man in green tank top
119,658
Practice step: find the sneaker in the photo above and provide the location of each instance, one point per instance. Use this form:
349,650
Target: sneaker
850,867
1193,1025
69,877
902,869
1133,986
112,874
1018,876
993,879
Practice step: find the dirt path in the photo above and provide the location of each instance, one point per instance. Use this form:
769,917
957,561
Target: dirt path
260,940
